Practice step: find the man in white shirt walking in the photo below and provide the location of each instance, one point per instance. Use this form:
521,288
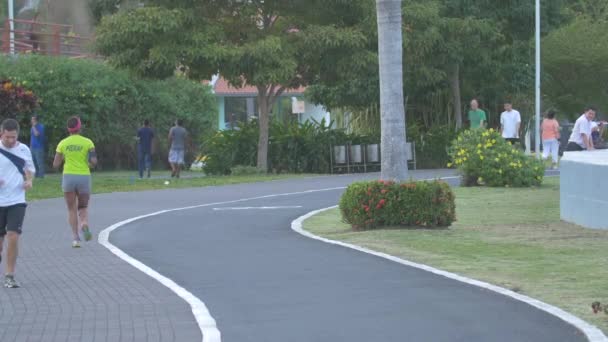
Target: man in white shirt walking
580,139
16,172
510,122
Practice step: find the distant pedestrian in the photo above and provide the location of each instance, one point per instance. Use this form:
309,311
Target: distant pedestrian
77,154
477,117
177,139
597,133
145,135
16,172
551,135
510,123
37,145
580,139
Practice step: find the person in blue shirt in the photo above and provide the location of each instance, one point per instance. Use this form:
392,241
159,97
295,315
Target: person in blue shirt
37,147
145,135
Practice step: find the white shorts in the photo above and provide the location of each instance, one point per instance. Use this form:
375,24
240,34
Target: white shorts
176,156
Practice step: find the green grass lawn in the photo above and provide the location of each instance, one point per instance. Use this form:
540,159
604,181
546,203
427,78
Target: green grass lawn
509,237
123,181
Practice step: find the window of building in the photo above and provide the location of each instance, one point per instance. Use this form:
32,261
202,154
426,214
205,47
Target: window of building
239,109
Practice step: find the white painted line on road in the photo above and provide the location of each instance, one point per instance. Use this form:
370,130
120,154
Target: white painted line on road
593,333
257,208
205,321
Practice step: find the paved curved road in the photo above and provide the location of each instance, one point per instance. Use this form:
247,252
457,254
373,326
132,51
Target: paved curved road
263,282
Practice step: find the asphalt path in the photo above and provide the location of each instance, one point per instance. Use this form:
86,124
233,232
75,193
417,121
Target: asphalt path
263,282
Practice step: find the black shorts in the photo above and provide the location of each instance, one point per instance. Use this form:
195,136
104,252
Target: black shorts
573,147
11,218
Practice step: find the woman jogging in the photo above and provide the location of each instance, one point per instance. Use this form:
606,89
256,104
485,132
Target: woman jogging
77,153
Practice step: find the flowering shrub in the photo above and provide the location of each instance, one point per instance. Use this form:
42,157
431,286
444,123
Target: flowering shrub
485,158
15,99
371,204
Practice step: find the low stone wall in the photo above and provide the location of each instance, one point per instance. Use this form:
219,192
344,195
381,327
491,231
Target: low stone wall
584,188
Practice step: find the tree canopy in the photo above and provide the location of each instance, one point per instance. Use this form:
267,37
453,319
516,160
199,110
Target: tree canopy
272,45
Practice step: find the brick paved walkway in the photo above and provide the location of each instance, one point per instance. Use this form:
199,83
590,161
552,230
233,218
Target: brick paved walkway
87,294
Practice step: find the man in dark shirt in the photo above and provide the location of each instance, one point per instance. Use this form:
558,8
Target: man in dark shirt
145,135
37,140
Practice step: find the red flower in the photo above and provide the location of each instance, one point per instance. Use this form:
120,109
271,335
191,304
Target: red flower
384,191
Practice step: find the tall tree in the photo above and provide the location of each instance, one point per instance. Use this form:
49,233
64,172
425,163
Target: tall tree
392,110
266,44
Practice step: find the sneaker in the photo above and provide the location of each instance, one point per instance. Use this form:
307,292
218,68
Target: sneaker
10,282
75,244
87,233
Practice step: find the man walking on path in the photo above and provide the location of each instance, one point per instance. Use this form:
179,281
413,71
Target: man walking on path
16,173
477,117
177,139
580,139
510,123
145,135
37,141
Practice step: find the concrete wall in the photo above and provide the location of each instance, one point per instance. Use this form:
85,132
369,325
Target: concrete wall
584,188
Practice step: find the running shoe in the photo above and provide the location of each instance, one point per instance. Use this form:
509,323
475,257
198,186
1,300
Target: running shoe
87,233
75,244
10,282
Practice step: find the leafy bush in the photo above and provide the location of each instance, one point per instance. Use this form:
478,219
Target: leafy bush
432,144
305,147
245,170
293,147
485,158
15,100
372,204
111,103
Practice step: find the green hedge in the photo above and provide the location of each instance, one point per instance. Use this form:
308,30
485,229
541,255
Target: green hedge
111,103
372,204
296,148
485,158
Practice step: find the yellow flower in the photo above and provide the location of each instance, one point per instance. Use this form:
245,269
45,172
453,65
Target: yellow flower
492,130
464,159
449,164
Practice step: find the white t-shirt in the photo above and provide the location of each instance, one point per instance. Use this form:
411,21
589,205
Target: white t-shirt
582,126
11,190
509,121
594,125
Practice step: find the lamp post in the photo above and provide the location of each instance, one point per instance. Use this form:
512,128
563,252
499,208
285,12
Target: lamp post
11,26
537,83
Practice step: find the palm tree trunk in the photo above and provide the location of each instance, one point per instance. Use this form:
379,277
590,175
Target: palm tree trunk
264,122
455,85
392,111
